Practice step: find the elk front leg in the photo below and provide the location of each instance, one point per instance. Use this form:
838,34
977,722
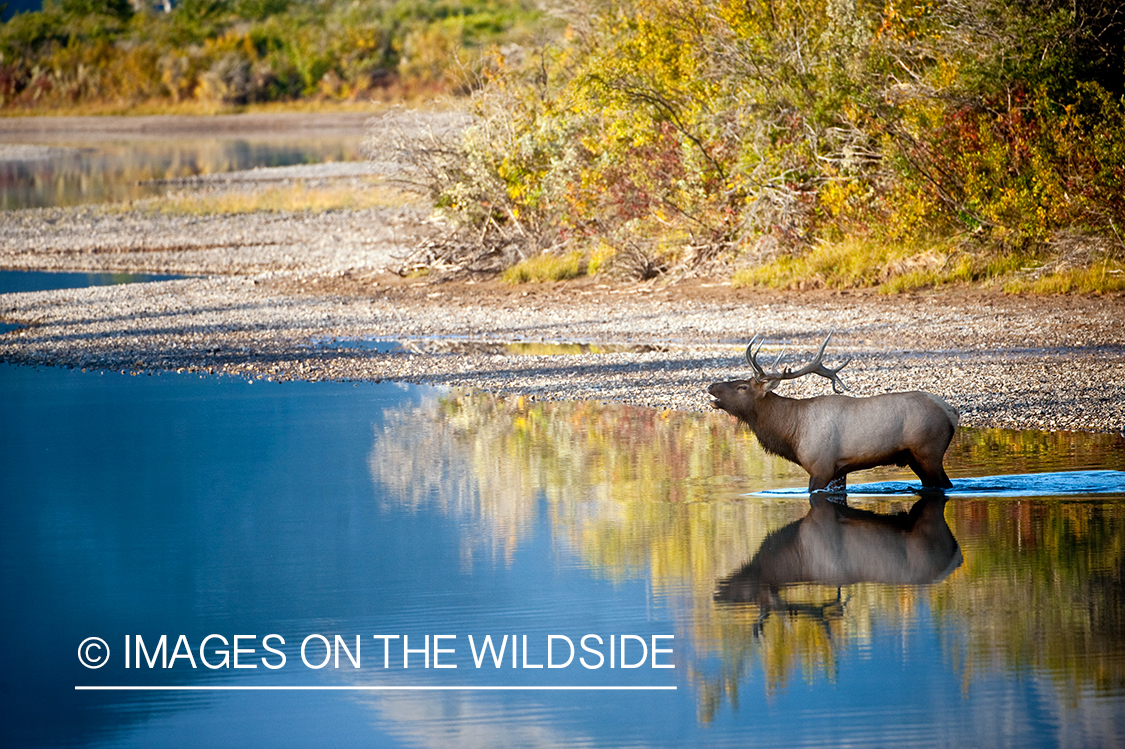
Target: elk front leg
828,484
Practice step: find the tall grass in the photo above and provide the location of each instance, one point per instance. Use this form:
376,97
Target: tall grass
546,267
294,197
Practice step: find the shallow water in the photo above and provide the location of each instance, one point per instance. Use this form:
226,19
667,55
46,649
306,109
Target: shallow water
13,281
129,170
176,505
1047,484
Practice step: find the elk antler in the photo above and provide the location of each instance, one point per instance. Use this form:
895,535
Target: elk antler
814,367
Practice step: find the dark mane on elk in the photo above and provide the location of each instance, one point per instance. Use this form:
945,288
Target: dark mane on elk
832,435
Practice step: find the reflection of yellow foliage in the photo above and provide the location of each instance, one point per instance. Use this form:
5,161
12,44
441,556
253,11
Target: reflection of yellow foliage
1031,452
1045,589
632,489
662,494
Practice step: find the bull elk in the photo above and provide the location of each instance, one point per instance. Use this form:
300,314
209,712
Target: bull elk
832,435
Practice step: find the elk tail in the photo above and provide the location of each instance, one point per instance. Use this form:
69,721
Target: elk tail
950,411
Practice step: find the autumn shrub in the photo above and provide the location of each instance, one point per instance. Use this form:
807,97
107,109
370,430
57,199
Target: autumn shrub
676,133
234,52
838,142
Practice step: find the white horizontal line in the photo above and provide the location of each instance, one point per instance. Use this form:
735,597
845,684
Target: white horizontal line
288,688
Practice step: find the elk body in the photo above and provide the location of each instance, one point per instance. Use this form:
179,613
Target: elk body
832,435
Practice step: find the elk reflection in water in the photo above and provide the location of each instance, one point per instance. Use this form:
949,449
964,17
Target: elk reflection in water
837,545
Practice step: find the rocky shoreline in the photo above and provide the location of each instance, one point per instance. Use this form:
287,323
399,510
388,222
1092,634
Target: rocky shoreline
286,296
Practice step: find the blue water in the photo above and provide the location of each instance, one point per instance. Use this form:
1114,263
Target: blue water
184,506
13,281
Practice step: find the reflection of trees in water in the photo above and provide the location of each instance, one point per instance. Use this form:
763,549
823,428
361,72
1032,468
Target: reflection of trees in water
118,171
456,456
1046,589
982,452
631,488
637,491
1046,582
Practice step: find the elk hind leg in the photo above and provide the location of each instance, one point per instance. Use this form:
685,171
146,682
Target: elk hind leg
931,471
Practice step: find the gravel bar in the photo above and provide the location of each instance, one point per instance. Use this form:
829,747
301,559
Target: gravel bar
285,296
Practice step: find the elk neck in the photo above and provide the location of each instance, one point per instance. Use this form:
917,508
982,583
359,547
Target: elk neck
775,421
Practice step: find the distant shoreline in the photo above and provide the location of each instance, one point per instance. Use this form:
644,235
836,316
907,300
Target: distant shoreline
31,152
92,128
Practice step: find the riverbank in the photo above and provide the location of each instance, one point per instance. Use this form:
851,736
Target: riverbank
1056,363
282,295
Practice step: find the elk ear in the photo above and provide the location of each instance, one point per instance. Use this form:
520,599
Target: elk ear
767,385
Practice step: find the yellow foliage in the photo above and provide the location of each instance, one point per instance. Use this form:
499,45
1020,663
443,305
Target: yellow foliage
599,256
